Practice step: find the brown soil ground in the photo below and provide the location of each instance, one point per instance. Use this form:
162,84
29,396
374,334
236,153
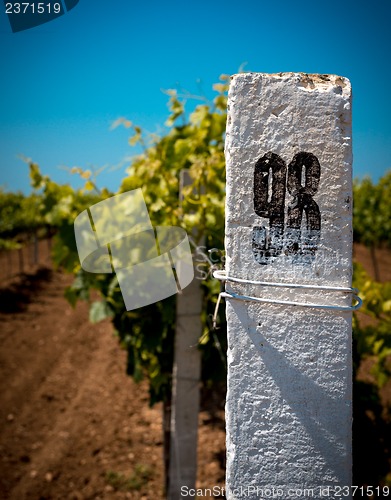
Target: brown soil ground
72,424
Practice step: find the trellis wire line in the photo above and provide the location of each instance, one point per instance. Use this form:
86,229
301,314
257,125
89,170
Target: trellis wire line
222,276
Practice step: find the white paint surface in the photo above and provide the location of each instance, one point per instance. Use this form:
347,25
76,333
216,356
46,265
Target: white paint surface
289,401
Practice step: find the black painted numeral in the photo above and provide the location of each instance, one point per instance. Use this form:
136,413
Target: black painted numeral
303,201
270,183
269,176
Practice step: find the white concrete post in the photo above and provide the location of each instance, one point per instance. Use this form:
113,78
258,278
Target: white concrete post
288,220
185,392
185,385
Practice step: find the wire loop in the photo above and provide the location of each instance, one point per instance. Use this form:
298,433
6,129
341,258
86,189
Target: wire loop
221,275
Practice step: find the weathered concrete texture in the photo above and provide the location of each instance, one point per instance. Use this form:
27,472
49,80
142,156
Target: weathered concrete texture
289,401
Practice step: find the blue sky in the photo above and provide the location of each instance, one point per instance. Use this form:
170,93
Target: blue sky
63,83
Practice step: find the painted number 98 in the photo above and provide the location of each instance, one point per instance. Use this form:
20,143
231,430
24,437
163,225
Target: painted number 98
285,235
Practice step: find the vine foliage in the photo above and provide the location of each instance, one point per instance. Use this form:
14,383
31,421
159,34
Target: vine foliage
195,145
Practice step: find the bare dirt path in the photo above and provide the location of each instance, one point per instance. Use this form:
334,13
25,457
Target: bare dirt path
72,424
